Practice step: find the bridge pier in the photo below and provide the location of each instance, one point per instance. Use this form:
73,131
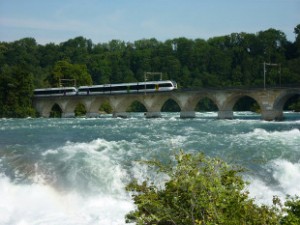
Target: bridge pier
270,115
225,114
92,114
44,114
187,114
120,114
153,114
68,115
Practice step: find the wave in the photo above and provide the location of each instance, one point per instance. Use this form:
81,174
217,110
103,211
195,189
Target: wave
288,140
75,170
293,133
41,204
285,139
285,176
76,183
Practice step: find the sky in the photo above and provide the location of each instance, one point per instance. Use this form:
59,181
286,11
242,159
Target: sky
56,21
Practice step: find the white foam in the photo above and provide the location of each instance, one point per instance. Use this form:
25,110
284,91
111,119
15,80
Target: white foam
92,147
42,204
261,192
286,175
102,200
294,133
289,138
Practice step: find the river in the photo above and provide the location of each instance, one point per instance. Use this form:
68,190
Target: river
73,171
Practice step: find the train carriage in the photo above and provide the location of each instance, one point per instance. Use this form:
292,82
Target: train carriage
139,87
60,91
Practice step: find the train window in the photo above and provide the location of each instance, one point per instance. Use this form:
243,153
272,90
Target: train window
165,85
140,87
84,89
96,89
119,88
150,86
47,92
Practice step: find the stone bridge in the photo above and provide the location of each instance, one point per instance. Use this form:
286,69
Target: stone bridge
271,102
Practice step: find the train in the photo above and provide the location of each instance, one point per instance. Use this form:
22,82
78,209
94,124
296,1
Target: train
134,87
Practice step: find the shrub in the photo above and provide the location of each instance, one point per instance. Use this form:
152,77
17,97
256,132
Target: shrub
200,190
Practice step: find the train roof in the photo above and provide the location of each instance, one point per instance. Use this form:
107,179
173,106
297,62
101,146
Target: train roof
106,85
57,88
128,84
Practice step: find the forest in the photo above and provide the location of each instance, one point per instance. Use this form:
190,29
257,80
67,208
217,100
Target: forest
234,60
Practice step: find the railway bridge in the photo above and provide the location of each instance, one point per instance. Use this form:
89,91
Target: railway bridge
271,102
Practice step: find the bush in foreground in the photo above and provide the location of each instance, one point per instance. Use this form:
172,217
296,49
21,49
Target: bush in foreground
202,190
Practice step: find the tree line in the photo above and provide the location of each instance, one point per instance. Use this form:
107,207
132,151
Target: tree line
230,60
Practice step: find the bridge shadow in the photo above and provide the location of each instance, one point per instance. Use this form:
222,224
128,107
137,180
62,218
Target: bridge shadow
206,108
292,104
292,108
246,108
136,109
56,111
80,110
170,106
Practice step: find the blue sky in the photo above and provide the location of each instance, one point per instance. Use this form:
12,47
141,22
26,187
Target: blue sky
130,20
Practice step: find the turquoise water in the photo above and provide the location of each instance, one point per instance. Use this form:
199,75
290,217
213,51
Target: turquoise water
73,171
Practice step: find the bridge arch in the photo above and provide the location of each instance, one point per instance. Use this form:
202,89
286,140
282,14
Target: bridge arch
55,111
171,105
103,107
136,106
71,105
226,108
234,98
48,108
94,105
80,109
283,98
199,104
246,103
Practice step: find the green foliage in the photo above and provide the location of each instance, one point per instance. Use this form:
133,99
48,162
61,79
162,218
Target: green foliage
293,211
206,104
246,104
56,111
16,89
293,103
76,73
295,106
170,106
80,110
106,107
137,107
200,190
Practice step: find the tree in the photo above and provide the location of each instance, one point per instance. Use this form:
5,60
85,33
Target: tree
65,70
100,69
219,59
76,50
199,190
16,90
297,41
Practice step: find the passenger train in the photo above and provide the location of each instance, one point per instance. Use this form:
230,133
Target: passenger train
139,87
